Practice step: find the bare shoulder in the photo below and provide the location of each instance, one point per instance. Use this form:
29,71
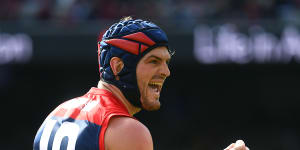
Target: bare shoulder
124,133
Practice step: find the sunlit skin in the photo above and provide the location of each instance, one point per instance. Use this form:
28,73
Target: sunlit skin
151,72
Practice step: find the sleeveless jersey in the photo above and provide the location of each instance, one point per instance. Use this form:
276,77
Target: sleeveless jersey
79,123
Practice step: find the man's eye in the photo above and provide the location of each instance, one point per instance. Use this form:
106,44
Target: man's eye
154,61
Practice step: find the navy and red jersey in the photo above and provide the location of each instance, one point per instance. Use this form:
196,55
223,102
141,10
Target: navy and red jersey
79,123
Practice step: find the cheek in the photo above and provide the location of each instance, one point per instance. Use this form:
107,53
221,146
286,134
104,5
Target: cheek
142,74
141,81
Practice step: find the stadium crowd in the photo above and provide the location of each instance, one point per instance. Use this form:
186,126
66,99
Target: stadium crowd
81,10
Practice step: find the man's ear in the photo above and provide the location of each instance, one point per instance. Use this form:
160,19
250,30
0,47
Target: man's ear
116,65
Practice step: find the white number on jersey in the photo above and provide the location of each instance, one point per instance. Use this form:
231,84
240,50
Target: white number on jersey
67,129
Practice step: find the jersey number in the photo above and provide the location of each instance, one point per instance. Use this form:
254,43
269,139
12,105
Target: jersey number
67,129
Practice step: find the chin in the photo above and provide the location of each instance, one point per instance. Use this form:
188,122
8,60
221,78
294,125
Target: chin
151,106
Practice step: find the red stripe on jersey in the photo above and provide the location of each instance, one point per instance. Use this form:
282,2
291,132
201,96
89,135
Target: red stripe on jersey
98,106
94,107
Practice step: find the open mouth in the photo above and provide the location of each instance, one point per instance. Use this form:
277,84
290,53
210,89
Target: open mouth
156,87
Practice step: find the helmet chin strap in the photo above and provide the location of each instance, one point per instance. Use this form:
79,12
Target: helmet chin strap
111,88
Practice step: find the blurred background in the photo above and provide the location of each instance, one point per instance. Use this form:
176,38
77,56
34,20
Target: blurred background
235,74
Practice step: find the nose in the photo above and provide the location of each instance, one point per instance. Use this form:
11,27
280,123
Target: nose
165,71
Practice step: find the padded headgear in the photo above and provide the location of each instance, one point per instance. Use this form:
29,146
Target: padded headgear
129,40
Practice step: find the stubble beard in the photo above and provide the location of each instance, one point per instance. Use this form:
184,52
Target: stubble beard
150,105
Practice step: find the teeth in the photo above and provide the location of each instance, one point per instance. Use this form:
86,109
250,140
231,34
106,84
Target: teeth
157,84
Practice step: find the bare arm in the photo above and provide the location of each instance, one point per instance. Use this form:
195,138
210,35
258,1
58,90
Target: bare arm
124,133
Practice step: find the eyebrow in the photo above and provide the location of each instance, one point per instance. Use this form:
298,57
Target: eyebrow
156,57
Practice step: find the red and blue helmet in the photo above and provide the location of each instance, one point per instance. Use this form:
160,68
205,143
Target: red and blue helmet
129,40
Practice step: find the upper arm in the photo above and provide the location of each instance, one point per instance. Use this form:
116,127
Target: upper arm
124,133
